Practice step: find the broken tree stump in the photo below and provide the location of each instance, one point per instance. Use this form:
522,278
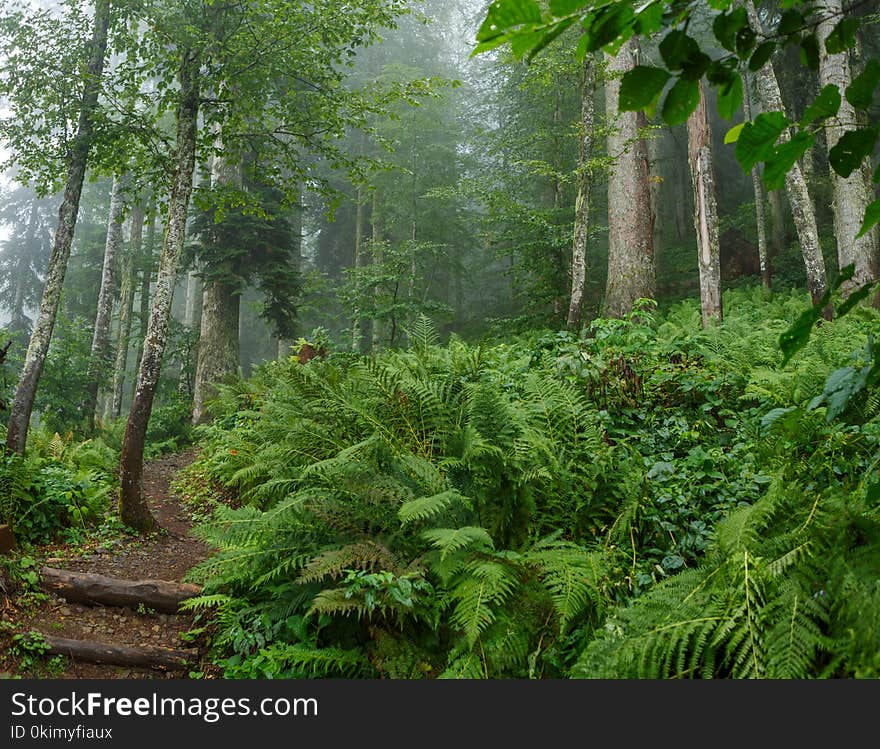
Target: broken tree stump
83,587
119,655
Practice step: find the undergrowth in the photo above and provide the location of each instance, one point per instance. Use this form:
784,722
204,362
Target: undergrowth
649,499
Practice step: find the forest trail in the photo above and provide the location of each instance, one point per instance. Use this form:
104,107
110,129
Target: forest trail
166,555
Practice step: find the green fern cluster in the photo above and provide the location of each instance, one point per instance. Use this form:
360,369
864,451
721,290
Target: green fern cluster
788,590
492,511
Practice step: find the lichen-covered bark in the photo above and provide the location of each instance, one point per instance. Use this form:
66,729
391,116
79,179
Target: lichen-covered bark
630,222
101,333
132,506
795,184
219,347
852,194
705,211
582,202
126,307
146,284
25,393
758,188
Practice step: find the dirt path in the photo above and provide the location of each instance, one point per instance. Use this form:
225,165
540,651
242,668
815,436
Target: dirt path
166,555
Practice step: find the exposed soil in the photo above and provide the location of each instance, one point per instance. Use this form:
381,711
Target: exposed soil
167,554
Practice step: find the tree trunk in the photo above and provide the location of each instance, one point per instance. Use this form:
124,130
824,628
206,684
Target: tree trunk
376,248
132,506
763,256
106,294
23,404
192,321
357,325
126,305
582,203
795,184
852,194
705,211
630,223
146,284
219,344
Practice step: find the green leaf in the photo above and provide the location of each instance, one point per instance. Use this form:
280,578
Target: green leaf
649,20
825,105
842,36
641,86
726,26
733,134
809,52
757,138
681,100
872,218
504,15
608,25
548,36
677,49
852,149
784,158
745,41
860,93
730,97
854,298
790,22
761,55
561,8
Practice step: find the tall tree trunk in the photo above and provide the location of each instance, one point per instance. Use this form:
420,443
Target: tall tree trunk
219,346
126,307
133,508
101,334
146,279
630,223
795,184
852,194
377,252
760,220
705,211
582,203
23,403
357,325
778,231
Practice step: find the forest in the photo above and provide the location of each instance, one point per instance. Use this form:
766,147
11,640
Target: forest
420,339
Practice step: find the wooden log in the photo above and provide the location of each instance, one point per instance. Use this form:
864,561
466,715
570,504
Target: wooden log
89,588
92,651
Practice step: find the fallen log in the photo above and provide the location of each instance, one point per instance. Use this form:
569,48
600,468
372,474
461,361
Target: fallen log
119,655
85,587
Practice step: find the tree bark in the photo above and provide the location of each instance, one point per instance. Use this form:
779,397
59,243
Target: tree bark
23,403
126,306
358,324
795,184
219,345
83,587
101,334
146,279
377,258
133,508
92,651
582,202
852,194
705,211
760,220
630,223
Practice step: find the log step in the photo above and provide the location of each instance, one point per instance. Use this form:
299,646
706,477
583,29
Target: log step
119,655
89,588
